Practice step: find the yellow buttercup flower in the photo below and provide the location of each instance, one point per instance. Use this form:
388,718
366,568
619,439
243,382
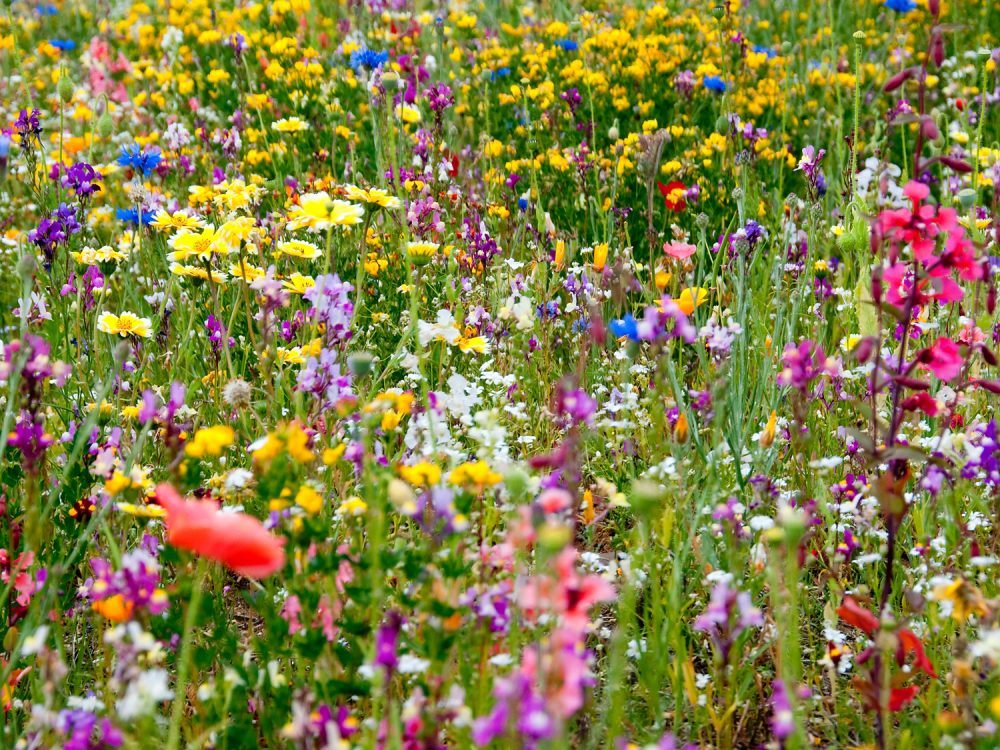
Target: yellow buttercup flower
309,499
297,249
210,441
318,212
125,325
197,272
246,271
105,254
201,245
372,196
422,474
474,473
290,125
299,284
178,220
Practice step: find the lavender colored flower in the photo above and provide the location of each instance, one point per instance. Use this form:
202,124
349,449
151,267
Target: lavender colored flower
729,613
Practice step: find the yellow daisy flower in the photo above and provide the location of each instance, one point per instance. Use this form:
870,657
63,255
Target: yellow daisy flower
125,325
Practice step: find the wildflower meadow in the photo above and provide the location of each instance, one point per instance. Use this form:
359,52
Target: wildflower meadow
410,375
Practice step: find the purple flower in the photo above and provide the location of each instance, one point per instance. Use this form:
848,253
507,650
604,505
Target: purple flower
728,614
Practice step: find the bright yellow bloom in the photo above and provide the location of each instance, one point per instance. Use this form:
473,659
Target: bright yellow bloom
421,252
691,298
291,438
352,506
210,441
179,220
126,324
474,473
372,196
474,344
290,125
298,249
318,212
201,245
309,499
246,271
966,599
197,272
600,256
423,474
299,284
106,254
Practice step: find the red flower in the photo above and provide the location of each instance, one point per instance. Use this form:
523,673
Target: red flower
673,195
899,697
238,541
854,614
909,643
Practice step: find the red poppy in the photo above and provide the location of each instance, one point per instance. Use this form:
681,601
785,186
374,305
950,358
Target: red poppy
238,541
673,195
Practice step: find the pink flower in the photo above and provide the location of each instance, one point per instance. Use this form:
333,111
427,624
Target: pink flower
679,250
916,191
943,358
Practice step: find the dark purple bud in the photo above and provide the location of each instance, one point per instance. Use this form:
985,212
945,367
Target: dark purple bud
898,80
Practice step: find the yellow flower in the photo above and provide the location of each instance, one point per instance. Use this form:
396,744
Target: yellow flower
474,473
143,511
691,298
117,484
352,506
246,271
291,438
202,245
106,254
179,220
299,284
297,249
600,256
474,344
408,114
767,434
390,420
423,474
372,196
210,441
317,212
421,252
966,599
309,499
197,272
332,455
126,324
290,125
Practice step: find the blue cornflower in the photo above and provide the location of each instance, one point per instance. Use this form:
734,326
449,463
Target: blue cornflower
522,203
567,44
133,156
901,6
499,73
368,58
63,44
714,83
131,216
626,326
760,49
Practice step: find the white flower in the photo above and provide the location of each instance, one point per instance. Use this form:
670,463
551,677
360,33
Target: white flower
35,642
143,694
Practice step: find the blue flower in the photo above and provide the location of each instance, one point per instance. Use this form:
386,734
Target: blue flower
63,44
522,203
760,49
499,73
131,216
133,156
626,326
714,83
568,45
901,6
368,58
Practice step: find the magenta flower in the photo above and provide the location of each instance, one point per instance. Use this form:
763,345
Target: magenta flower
943,358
